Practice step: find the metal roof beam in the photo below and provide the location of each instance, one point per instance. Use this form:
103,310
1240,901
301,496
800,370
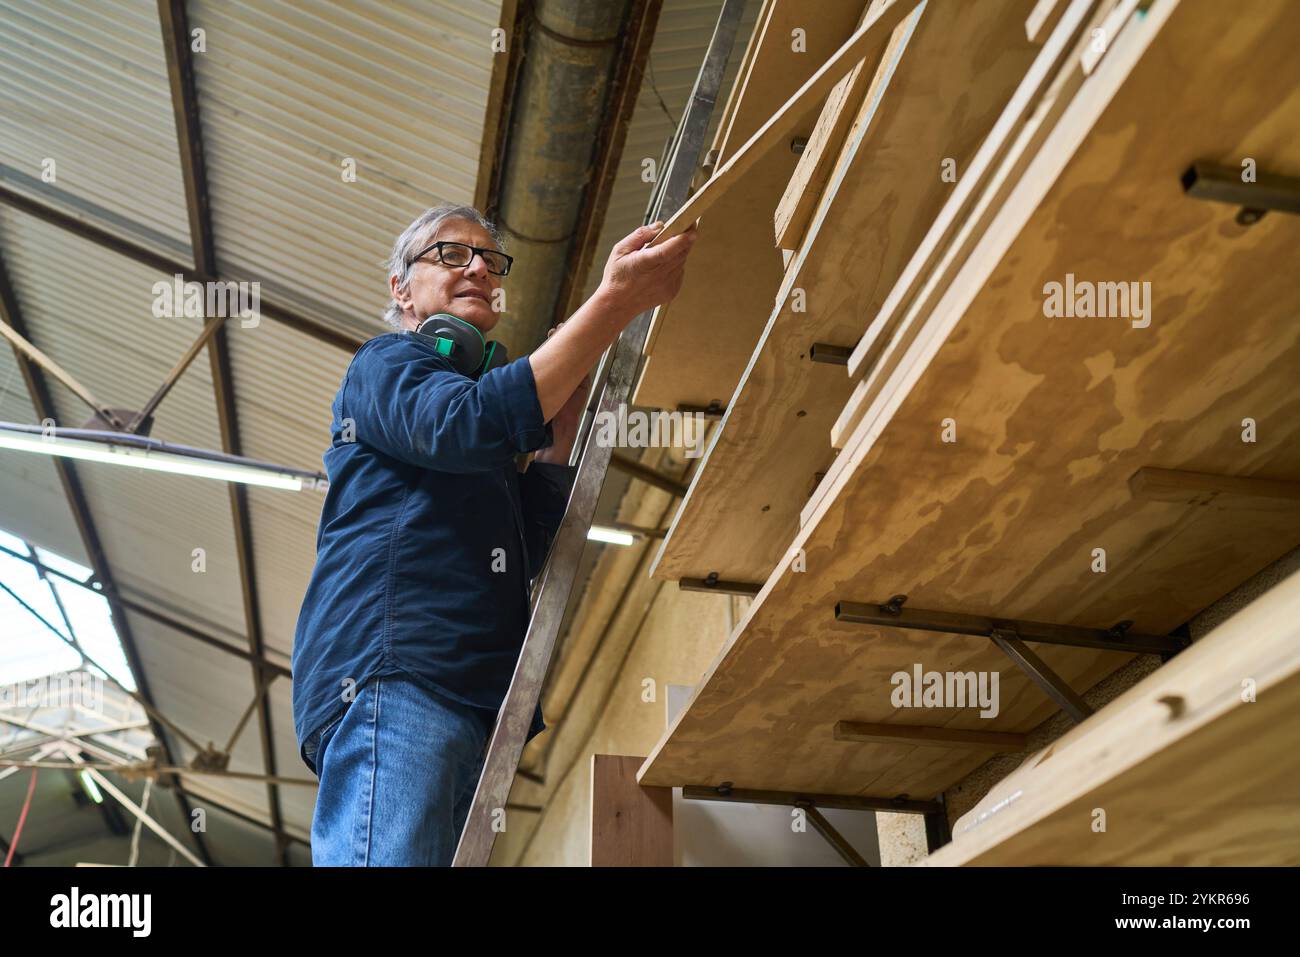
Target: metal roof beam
165,264
189,136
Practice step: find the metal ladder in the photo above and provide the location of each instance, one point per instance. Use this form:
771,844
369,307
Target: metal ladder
614,379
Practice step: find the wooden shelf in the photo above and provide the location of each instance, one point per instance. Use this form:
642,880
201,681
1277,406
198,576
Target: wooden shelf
1054,418
1186,771
946,86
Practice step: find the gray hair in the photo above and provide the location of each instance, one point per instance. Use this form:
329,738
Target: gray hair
416,235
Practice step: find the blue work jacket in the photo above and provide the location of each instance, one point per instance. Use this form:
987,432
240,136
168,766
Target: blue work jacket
429,536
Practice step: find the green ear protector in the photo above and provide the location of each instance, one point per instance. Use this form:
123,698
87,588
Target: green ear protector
463,344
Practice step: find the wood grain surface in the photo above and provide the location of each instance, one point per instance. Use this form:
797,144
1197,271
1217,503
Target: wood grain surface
952,79
1053,417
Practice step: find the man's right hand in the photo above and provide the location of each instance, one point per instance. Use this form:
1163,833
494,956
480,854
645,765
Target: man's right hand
637,279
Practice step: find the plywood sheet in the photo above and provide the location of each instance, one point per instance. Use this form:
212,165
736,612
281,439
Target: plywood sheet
698,344
1053,418
1187,768
952,79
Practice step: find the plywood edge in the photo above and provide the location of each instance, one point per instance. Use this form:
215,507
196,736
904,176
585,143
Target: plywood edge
914,344
868,43
927,735
740,84
1039,21
795,209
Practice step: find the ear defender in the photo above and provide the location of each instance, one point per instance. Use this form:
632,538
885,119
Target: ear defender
463,344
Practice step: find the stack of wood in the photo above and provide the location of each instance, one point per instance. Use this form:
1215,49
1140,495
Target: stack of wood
1000,301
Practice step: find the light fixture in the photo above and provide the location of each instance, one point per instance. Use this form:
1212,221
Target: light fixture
91,788
599,533
124,448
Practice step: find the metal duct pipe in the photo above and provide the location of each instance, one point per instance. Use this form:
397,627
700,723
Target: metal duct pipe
559,106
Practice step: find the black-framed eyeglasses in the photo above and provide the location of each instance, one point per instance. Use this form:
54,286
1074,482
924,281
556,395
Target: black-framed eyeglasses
461,254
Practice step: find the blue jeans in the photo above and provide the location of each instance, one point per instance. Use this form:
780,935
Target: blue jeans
397,774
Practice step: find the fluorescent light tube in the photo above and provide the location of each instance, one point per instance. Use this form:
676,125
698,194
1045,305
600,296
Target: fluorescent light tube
144,458
599,533
90,787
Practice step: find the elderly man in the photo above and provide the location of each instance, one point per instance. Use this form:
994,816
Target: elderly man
430,536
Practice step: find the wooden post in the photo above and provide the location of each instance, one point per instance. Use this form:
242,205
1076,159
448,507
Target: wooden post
631,825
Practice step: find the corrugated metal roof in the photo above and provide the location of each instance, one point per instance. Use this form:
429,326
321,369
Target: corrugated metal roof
288,91
45,836
297,803
205,693
149,522
85,84
32,506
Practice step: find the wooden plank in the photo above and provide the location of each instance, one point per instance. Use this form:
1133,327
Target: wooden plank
1187,771
762,83
695,351
1053,417
741,83
984,741
948,86
631,825
1038,24
759,89
1031,114
817,162
1101,38
867,42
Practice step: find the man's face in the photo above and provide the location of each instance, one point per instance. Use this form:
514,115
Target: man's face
465,292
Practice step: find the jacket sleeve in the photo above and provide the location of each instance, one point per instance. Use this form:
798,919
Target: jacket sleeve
412,404
544,490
